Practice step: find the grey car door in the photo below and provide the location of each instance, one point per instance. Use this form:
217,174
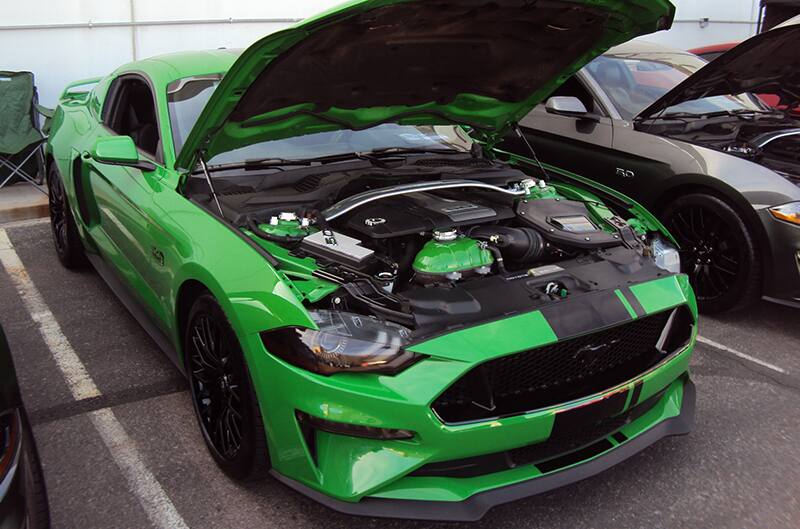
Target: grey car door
583,146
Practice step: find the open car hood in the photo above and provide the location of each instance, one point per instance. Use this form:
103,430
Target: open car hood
480,63
765,64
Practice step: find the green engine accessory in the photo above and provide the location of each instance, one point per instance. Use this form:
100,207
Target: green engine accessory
450,257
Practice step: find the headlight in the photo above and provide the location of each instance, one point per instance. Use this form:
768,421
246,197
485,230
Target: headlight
344,342
789,212
666,255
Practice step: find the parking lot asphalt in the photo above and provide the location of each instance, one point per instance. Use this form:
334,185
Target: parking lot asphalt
740,468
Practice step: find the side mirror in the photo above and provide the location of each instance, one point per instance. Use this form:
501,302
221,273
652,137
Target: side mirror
569,106
119,150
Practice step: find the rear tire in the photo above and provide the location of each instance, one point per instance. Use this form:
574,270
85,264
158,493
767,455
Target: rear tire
222,391
718,252
66,238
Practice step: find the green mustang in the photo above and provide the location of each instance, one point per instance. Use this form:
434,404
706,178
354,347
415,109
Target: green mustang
372,303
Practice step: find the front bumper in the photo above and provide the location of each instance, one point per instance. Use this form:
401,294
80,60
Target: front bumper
477,505
356,470
782,273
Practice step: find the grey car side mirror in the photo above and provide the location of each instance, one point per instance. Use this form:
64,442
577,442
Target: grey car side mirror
569,106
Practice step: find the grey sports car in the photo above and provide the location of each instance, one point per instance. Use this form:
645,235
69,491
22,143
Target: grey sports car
23,498
690,142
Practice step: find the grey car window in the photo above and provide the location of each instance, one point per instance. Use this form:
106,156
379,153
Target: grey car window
634,82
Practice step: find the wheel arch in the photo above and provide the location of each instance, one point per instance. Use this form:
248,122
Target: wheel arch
690,184
188,292
250,307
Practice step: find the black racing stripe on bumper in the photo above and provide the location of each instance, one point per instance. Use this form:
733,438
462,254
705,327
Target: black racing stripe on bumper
475,507
572,420
634,302
637,392
585,314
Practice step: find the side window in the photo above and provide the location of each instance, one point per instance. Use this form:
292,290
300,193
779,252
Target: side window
130,111
574,88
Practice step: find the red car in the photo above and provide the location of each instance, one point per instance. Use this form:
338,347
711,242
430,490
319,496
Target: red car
710,53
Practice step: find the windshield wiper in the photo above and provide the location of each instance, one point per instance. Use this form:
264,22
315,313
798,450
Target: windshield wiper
739,112
372,156
413,150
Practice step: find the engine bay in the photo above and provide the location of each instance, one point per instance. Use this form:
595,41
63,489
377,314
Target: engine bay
769,139
431,246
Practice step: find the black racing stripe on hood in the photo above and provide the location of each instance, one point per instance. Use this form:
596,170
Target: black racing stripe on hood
634,302
587,314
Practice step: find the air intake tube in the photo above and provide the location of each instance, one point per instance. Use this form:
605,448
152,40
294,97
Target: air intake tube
518,245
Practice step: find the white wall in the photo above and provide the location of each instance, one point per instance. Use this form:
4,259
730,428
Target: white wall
728,20
60,55
63,54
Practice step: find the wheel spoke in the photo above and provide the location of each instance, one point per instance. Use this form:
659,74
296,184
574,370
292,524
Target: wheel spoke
215,390
682,227
716,265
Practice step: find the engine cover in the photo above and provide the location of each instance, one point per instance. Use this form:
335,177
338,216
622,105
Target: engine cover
421,212
566,222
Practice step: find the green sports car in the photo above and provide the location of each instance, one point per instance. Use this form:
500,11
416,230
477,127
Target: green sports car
370,301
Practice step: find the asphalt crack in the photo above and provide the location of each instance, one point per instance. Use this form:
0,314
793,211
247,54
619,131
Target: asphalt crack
107,400
784,381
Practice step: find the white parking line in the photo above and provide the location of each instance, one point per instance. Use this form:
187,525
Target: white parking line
142,483
743,356
80,383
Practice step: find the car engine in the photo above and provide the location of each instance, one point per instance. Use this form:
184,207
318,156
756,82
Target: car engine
771,140
431,249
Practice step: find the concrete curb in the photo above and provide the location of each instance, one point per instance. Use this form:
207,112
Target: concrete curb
24,213
22,202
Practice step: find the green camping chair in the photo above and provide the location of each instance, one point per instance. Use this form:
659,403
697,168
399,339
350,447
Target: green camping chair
21,139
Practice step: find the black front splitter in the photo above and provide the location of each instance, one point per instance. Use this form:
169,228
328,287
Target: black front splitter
475,507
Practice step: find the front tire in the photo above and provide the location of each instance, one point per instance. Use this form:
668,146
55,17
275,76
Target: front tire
718,252
66,239
222,393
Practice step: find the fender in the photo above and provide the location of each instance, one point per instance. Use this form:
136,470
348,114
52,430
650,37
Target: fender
685,184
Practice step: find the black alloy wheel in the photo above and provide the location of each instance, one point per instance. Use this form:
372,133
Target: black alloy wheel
65,234
222,393
717,252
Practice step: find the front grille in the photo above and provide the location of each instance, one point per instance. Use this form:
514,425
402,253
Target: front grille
581,434
558,373
572,440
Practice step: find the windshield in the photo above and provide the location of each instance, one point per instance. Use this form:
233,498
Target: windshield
187,98
636,81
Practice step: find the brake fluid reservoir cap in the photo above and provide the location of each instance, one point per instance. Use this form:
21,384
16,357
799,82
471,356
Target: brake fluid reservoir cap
445,235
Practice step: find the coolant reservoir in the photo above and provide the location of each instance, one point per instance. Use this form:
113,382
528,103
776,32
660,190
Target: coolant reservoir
449,257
